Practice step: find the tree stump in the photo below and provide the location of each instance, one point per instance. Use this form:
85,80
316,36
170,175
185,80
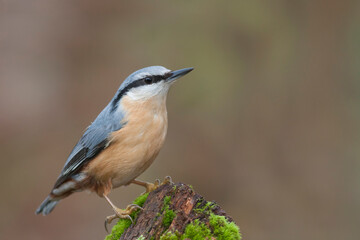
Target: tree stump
176,212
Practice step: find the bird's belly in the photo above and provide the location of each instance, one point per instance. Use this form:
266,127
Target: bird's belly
131,151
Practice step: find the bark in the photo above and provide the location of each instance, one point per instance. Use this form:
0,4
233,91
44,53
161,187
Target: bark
170,209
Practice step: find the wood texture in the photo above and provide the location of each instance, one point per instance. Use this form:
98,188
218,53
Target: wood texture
186,206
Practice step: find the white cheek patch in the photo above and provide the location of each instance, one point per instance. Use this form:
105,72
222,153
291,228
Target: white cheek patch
147,91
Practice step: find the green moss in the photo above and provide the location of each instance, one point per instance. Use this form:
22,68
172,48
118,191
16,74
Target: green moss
222,229
168,214
196,231
123,224
118,229
167,200
141,238
140,200
219,228
204,209
170,236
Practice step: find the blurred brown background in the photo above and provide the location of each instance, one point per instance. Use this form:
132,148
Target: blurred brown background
266,125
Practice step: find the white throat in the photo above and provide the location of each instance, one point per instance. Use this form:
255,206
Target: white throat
146,92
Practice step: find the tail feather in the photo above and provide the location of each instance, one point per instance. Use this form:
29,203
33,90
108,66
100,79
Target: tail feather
47,206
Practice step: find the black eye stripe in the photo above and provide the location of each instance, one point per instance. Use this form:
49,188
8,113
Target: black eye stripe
137,83
155,79
148,80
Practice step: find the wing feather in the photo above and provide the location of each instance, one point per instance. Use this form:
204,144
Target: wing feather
94,140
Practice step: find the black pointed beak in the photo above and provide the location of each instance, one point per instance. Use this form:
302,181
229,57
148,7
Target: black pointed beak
173,75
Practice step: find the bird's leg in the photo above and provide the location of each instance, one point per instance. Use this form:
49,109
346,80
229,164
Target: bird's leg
120,213
149,186
152,186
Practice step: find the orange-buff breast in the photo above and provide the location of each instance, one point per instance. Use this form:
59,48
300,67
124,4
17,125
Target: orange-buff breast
134,147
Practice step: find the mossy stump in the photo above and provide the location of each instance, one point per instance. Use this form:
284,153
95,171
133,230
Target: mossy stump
176,212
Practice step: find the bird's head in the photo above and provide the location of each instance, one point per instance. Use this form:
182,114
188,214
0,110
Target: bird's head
151,81
148,82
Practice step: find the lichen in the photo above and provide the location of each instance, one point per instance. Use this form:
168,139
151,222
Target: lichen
124,224
141,238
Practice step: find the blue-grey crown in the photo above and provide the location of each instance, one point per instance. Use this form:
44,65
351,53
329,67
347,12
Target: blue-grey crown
153,71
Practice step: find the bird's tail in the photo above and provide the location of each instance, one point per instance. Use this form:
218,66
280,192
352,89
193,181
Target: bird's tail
47,206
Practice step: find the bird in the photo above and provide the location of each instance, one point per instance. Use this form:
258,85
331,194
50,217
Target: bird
121,143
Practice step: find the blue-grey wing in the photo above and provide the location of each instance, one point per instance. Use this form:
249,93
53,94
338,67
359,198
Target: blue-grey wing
91,143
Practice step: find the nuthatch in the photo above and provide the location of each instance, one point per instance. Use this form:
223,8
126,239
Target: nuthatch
121,143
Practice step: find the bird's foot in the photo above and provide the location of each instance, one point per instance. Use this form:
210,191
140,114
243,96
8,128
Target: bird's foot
167,180
122,214
152,186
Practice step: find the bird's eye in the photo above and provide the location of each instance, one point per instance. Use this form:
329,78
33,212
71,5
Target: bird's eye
148,80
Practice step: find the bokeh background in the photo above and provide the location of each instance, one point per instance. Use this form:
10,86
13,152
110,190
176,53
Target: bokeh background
267,125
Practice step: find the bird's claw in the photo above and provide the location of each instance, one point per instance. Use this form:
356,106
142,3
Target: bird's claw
153,186
108,221
133,207
167,180
122,214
